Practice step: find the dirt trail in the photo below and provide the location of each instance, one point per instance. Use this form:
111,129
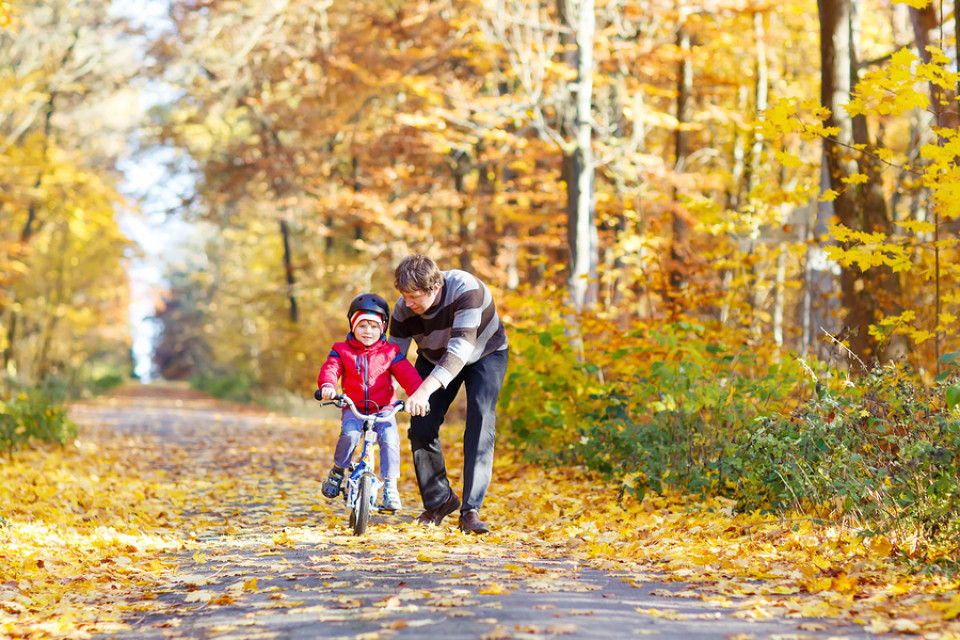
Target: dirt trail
264,556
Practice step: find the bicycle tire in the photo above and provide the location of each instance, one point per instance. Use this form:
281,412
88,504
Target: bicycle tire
361,513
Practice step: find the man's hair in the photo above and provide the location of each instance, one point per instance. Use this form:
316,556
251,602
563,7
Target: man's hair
416,273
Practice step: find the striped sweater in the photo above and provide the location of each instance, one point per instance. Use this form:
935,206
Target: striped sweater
459,329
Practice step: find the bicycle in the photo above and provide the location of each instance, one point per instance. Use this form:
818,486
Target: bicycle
362,483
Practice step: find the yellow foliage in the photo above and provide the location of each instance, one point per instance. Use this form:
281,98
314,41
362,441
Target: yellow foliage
841,233
788,159
856,178
892,90
6,13
917,226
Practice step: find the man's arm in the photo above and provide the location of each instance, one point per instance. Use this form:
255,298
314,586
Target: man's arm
398,335
419,403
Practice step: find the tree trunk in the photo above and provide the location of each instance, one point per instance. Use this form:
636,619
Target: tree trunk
761,93
860,207
466,223
925,24
680,229
288,269
578,163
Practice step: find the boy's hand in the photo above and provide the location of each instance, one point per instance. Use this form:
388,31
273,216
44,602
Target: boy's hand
327,393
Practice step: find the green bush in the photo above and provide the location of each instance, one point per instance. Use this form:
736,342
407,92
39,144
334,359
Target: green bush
880,452
671,425
883,451
103,378
35,415
543,397
676,425
235,386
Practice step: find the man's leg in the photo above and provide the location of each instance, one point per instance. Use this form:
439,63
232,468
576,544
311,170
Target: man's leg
424,436
483,380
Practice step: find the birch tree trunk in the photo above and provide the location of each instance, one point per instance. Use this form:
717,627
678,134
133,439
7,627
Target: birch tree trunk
578,16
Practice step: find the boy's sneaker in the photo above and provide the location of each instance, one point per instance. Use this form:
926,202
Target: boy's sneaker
331,486
391,499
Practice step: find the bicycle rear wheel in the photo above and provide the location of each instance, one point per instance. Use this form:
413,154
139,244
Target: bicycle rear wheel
361,511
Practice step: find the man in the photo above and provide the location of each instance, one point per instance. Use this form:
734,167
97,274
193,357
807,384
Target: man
460,343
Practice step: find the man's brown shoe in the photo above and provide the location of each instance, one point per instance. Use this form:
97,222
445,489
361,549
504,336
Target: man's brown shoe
435,516
470,522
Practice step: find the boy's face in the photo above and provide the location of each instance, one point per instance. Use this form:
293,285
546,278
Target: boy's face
420,301
367,332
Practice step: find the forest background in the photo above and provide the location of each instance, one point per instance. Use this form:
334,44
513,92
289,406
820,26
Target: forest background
722,234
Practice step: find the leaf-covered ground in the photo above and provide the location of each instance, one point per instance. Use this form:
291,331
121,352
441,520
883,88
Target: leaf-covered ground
160,483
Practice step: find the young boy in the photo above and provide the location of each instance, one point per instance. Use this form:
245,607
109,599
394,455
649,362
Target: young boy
364,364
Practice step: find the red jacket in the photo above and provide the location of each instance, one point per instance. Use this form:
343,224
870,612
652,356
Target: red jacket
364,373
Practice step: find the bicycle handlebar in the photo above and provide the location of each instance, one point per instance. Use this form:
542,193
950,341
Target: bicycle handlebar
343,401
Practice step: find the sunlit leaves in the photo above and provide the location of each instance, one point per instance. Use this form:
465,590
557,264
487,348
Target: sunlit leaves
893,89
917,226
72,526
866,250
790,116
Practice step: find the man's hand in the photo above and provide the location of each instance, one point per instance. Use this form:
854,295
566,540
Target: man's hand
418,404
327,393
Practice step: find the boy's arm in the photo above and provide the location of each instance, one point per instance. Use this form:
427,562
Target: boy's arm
405,373
330,373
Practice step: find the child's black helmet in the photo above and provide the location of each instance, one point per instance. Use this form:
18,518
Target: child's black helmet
371,303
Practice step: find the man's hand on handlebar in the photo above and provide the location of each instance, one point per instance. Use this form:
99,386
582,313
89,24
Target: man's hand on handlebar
417,404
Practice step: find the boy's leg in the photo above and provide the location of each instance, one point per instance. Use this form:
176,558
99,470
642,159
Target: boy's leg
483,380
350,428
346,443
424,436
388,438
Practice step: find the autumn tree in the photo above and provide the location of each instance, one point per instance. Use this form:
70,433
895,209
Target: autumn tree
66,110
330,140
854,176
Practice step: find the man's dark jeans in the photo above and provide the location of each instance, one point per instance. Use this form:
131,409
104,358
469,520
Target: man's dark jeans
482,381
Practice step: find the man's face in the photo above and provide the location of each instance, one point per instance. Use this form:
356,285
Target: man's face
420,301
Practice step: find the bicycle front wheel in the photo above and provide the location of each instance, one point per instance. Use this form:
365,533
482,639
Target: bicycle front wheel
361,511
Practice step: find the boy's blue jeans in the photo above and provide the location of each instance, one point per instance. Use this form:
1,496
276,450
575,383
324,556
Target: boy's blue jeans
482,381
388,437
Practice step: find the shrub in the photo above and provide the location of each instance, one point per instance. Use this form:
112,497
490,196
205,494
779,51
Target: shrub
676,425
35,415
665,409
542,400
235,386
883,452
101,378
671,422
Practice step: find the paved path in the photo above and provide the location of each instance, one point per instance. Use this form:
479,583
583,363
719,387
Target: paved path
265,560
